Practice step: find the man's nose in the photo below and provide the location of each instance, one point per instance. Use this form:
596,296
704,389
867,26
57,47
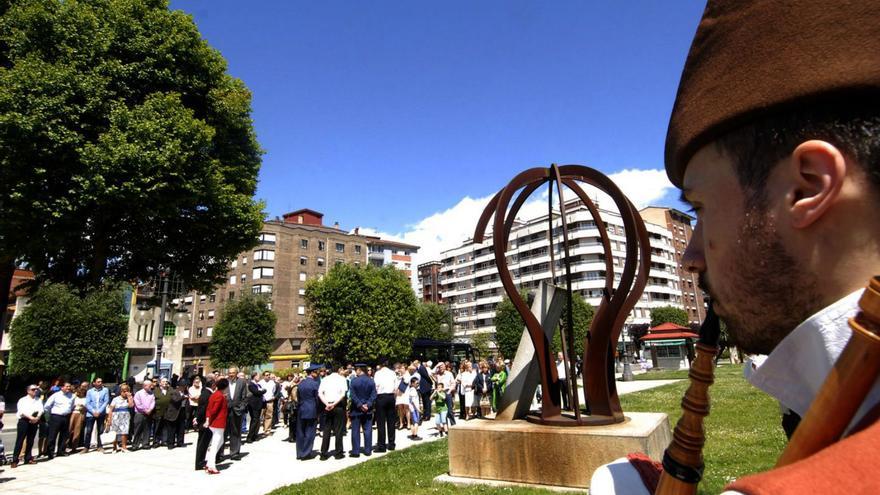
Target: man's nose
693,260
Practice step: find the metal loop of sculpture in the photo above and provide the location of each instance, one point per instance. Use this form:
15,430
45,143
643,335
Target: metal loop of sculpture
600,391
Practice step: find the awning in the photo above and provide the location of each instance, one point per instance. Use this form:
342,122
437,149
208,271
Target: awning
669,335
666,343
290,357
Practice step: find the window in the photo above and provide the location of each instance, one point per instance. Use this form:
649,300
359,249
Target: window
262,289
295,344
210,314
339,262
320,261
233,280
199,332
201,315
170,329
304,243
234,263
302,276
243,278
212,297
263,272
210,331
202,298
357,249
300,310
244,260
300,327
267,238
302,292
303,260
231,295
357,263
320,245
340,247
264,255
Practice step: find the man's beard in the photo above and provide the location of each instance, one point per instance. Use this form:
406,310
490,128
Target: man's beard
768,291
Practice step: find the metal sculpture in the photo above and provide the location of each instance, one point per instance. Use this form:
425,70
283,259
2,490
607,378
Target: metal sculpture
602,402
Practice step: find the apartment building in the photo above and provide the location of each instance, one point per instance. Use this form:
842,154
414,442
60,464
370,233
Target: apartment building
429,282
471,285
679,224
292,250
382,252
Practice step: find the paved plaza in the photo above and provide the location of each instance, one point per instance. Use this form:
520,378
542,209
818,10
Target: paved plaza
268,464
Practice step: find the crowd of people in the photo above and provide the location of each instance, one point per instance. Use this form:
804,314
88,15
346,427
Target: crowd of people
227,410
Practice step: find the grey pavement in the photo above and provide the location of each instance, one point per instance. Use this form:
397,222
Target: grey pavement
269,464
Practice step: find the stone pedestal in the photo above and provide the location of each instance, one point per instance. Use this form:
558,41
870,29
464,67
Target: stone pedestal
522,452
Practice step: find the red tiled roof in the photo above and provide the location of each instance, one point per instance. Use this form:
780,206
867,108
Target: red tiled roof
668,327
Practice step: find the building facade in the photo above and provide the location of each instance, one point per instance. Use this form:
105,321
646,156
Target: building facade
679,224
382,252
471,285
429,282
291,251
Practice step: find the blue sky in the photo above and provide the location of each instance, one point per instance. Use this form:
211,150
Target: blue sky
386,114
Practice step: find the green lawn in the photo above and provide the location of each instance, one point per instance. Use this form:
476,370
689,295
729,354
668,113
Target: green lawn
743,431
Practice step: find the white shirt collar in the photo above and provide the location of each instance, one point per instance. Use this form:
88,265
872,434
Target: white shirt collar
794,372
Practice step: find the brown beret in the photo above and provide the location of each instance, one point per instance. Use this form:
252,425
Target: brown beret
755,57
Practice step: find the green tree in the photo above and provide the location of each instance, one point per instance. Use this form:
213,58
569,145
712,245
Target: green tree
430,320
481,343
125,147
245,333
65,331
359,314
509,326
669,314
582,317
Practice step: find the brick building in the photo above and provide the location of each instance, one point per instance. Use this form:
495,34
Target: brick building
679,224
292,250
383,252
429,282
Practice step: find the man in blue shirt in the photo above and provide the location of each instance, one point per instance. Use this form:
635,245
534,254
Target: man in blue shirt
97,400
307,420
363,397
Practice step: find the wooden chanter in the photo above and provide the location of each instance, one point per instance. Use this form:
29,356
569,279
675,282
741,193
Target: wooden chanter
831,412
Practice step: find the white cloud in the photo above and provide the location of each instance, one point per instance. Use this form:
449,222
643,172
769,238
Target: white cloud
450,228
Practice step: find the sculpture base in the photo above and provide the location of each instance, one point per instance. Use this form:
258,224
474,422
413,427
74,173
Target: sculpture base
522,452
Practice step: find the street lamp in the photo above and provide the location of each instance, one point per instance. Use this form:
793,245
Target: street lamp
144,315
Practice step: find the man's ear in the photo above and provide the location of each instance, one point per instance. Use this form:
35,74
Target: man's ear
818,169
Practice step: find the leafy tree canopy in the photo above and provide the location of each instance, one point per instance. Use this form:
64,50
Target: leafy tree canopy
481,343
245,333
669,314
509,326
359,314
63,331
430,320
125,147
582,318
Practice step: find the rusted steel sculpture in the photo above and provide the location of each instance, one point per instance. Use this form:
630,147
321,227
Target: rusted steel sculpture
603,404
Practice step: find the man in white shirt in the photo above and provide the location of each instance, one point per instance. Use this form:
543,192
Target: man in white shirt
442,375
563,379
268,384
386,385
28,411
332,392
59,405
785,182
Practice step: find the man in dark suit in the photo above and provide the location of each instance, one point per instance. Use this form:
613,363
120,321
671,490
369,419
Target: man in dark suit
163,399
255,406
363,398
236,395
175,415
201,427
426,386
307,417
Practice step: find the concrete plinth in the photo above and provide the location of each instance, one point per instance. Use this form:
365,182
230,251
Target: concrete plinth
523,452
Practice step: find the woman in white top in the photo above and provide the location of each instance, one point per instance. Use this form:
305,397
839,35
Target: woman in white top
401,400
466,386
194,391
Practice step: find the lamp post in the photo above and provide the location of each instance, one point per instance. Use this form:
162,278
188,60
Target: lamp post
144,316
627,369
